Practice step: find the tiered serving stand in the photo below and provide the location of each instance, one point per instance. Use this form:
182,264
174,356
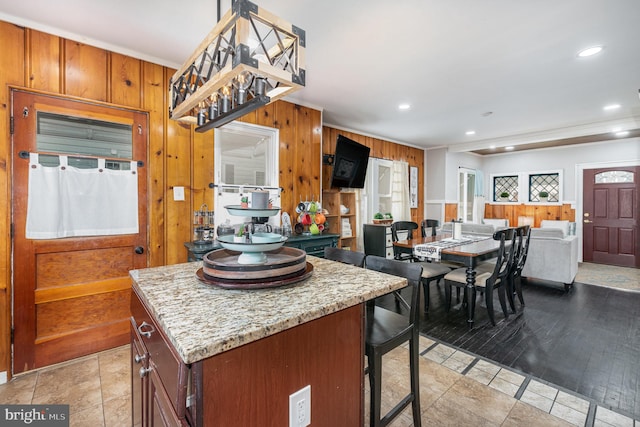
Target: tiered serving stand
252,265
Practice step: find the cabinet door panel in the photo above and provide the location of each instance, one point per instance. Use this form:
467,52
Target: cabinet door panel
138,383
161,412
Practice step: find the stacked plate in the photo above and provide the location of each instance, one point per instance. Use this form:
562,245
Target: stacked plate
284,265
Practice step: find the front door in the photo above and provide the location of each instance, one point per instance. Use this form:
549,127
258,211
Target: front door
610,218
71,295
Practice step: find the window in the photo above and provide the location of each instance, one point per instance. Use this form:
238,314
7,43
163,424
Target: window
86,138
505,184
528,186
245,155
614,177
378,186
466,190
544,183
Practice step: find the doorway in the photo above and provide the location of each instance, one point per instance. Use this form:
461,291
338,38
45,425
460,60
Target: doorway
611,210
71,294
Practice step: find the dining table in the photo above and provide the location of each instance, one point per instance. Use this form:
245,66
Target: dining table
468,251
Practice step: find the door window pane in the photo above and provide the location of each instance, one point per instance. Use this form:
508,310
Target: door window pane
615,177
58,133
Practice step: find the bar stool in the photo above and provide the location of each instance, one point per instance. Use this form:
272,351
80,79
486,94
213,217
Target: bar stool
386,330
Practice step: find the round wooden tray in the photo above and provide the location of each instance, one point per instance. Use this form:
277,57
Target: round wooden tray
224,264
267,282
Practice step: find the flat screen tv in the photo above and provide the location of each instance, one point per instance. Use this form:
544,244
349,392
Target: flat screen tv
349,164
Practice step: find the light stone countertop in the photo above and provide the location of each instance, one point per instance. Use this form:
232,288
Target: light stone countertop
203,320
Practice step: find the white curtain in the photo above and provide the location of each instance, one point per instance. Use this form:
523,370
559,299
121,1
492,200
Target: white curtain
65,201
400,192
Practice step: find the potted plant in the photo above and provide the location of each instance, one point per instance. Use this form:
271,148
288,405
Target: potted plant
244,202
380,218
239,237
504,196
543,196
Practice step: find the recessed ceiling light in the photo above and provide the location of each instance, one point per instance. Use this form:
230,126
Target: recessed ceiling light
404,107
590,51
470,132
509,148
611,107
622,133
492,147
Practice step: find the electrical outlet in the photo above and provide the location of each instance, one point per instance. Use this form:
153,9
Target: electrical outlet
300,407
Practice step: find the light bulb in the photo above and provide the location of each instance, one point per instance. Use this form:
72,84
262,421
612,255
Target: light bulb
226,91
243,82
213,106
201,116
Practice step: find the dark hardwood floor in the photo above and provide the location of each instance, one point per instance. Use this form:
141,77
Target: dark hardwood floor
586,340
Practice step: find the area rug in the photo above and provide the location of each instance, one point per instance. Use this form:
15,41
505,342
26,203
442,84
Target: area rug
609,276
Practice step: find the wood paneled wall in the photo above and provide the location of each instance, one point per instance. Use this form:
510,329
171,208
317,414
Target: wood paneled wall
382,150
177,156
537,212
512,212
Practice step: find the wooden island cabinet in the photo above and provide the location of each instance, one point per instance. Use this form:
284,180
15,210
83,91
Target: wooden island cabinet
207,356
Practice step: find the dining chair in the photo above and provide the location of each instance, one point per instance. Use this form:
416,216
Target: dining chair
431,271
427,224
346,257
398,226
387,330
488,276
523,234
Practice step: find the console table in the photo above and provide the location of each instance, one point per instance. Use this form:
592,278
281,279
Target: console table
312,245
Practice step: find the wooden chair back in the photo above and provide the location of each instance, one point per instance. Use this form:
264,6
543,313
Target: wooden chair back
429,223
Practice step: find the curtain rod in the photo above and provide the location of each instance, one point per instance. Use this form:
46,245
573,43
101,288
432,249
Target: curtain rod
25,155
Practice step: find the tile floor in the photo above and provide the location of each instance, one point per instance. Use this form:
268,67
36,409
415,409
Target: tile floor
456,389
97,388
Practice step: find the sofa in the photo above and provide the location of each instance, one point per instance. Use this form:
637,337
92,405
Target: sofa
488,227
553,253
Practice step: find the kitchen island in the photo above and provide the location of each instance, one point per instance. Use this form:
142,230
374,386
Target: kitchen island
203,355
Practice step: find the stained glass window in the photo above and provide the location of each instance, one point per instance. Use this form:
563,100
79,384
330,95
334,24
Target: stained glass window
615,177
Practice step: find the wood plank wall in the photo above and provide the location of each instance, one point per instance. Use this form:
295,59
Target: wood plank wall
383,150
178,156
512,212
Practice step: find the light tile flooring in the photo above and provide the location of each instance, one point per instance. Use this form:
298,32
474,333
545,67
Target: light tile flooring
97,388
456,389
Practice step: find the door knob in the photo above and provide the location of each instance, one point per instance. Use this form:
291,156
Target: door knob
586,221
586,214
139,250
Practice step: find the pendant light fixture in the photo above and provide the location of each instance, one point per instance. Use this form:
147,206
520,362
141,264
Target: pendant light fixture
249,59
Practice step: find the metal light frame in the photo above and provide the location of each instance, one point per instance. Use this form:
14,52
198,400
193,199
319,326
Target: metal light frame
249,59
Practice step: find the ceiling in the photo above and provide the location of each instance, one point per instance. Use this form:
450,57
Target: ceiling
506,69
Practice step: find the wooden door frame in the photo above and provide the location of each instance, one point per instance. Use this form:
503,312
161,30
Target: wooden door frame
10,184
580,167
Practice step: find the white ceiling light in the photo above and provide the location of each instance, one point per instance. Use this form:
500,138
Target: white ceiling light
404,107
611,107
470,132
509,148
622,133
590,51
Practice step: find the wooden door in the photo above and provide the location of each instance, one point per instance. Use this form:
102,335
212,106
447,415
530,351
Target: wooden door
70,295
610,218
